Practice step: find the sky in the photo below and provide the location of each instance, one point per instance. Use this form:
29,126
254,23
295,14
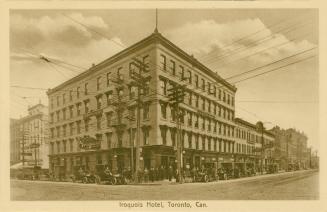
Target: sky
228,41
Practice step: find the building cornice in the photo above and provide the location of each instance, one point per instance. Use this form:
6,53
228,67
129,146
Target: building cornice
153,38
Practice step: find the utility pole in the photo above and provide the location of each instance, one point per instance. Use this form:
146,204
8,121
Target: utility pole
176,95
287,140
23,143
139,82
262,148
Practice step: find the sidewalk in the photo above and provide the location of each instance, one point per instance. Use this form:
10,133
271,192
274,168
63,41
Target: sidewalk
259,176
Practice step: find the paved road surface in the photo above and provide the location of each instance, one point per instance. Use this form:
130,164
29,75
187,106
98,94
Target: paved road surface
285,186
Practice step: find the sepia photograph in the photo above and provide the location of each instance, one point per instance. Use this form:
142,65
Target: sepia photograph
164,104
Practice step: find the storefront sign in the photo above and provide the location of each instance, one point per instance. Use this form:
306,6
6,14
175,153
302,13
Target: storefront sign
89,143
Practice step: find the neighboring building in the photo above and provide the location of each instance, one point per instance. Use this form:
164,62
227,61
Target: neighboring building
29,137
250,138
291,148
15,139
88,105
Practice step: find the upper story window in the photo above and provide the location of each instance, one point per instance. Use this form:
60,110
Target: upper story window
78,108
63,98
70,95
78,92
146,62
196,77
99,83
163,87
51,103
181,72
120,75
233,101
163,62
99,102
71,111
86,90
209,87
108,79
87,105
57,101
146,111
203,84
173,67
189,77
109,97
224,97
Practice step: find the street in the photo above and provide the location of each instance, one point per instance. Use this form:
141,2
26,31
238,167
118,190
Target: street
302,185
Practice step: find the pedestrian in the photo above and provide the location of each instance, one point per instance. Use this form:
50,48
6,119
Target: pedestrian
170,173
146,175
151,174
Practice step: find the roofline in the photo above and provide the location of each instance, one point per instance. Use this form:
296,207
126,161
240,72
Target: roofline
30,108
133,47
252,125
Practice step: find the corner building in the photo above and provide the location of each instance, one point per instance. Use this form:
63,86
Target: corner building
101,103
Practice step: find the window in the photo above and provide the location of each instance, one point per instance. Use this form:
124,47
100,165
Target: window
190,98
196,141
209,87
145,136
189,76
71,149
109,143
58,115
196,124
70,95
196,80
86,124
219,94
224,97
189,138
99,102
120,76
98,122
64,113
173,137
71,111
65,145
78,92
108,79
108,118
163,87
132,92
52,148
52,132
196,101
78,109
58,101
181,72
203,143
109,97
78,127
51,102
71,128
203,84
163,110
132,114
163,132
209,144
52,117
132,68
214,91
146,111
99,83
58,147
203,103
173,67
189,118
173,114
146,63
64,127
86,85
163,62
58,131
203,123
87,104
232,101
63,98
